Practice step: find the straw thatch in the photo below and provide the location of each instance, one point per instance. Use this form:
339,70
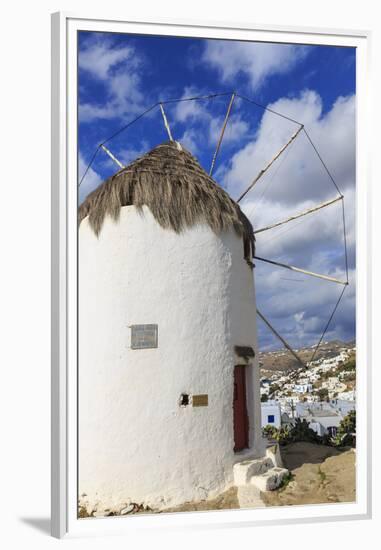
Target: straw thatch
179,193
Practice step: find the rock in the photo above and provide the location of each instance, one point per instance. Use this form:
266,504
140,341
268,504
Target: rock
128,509
270,480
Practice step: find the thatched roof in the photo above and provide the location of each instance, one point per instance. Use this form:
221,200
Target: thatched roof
177,190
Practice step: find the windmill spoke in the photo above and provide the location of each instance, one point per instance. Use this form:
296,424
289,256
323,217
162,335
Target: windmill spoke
222,134
112,157
300,270
286,345
327,325
166,122
300,215
264,170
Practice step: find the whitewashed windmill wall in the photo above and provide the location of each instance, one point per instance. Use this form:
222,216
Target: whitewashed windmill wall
136,441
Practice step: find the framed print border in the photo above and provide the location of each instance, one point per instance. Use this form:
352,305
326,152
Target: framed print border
65,27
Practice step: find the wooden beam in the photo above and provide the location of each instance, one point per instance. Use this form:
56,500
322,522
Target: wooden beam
112,157
166,122
264,170
286,345
296,216
221,134
305,271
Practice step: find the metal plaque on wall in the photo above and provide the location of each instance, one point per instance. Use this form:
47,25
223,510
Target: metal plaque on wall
143,336
200,400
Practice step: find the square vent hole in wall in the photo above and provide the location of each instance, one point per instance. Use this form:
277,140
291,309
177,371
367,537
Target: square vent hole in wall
184,399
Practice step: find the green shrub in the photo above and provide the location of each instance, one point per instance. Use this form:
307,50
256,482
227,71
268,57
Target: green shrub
347,429
300,431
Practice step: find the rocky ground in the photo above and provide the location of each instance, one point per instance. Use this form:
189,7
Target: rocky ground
319,474
225,501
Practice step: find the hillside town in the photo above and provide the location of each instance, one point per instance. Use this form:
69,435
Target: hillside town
323,393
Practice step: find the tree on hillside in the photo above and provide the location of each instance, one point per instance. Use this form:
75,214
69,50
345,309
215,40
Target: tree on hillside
346,432
348,424
274,388
323,393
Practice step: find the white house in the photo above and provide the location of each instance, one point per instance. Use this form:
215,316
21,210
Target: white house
322,417
303,388
324,423
347,395
168,376
271,414
343,406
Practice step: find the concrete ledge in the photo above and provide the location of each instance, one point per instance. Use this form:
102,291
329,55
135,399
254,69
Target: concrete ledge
270,480
245,470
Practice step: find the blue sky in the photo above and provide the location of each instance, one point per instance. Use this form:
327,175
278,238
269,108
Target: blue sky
122,75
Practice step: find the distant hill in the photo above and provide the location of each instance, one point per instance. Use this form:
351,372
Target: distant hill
283,360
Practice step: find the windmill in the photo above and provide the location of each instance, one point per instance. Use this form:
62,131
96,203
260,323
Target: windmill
336,198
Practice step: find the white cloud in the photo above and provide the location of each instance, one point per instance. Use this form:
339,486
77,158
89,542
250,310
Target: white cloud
258,61
236,128
125,88
100,57
187,111
191,141
119,71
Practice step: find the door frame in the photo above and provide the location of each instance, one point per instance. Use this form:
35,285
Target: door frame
245,416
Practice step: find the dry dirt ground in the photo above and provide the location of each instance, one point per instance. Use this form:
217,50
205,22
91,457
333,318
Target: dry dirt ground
225,501
320,474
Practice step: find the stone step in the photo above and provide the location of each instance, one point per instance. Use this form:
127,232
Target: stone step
245,470
249,497
269,480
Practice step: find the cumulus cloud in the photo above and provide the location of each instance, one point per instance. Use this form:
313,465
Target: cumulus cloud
118,69
188,111
191,141
257,61
235,129
99,57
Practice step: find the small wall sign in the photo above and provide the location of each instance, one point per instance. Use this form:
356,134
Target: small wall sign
200,400
144,336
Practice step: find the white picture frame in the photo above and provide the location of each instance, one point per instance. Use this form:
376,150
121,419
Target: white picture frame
64,275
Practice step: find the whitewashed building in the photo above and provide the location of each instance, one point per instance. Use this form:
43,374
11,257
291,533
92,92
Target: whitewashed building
303,388
169,395
271,414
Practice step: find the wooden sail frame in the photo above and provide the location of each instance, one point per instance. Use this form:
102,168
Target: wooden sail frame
300,215
304,271
249,188
284,342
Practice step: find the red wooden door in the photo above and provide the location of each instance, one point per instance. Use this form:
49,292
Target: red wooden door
241,421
